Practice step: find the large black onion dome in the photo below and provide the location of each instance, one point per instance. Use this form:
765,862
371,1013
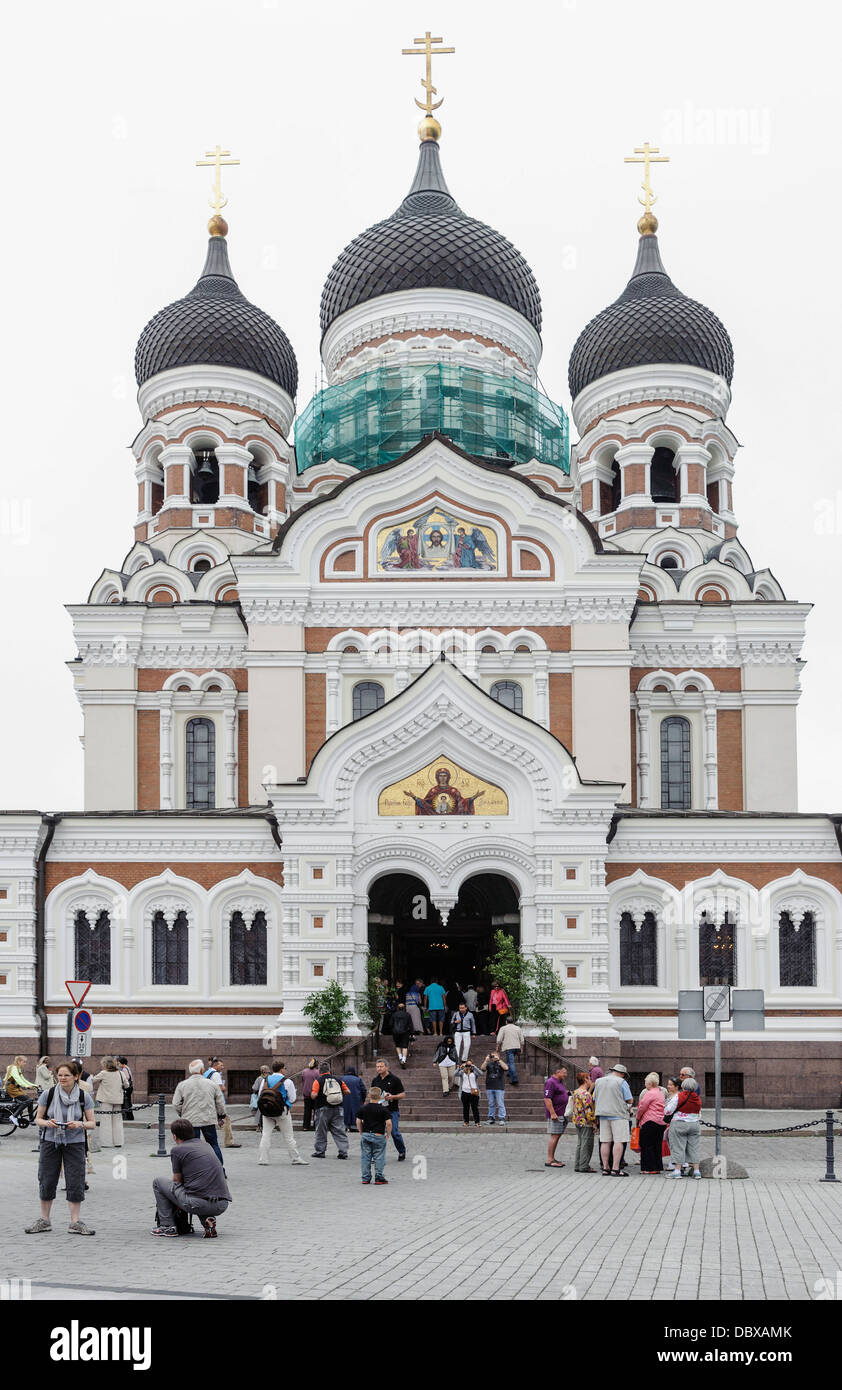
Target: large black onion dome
651,322
215,325
430,243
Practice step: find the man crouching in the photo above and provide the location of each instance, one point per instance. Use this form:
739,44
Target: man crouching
198,1186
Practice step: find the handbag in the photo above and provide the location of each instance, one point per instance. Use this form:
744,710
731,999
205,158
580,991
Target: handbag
665,1145
634,1141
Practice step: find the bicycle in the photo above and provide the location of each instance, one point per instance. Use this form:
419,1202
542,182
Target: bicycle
15,1114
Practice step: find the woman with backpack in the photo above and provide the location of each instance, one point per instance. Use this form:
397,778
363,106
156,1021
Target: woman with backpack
64,1114
446,1058
402,1032
275,1100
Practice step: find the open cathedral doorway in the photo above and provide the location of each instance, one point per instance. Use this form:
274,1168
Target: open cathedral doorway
406,929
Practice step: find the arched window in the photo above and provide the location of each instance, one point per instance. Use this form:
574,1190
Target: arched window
204,482
663,479
610,494
675,764
248,950
93,948
201,764
717,951
669,562
367,696
169,950
508,693
202,565
797,950
638,950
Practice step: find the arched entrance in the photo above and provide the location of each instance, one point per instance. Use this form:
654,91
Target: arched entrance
410,933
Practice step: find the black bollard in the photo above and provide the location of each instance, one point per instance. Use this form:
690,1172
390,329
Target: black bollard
829,1176
162,1128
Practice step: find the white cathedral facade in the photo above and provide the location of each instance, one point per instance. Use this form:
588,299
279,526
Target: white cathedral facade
430,652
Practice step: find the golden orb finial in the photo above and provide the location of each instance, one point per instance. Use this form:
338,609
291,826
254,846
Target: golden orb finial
429,129
218,226
648,224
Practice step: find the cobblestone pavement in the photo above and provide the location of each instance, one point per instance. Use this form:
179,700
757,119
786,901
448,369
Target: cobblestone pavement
475,1212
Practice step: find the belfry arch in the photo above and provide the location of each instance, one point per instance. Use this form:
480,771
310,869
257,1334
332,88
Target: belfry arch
420,936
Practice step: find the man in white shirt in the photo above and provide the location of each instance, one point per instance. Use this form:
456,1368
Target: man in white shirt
278,1080
510,1044
214,1074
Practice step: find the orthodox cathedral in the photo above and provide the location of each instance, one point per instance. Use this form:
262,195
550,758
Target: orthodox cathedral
401,667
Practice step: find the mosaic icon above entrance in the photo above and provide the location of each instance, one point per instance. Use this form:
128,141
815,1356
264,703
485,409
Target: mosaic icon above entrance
436,540
443,788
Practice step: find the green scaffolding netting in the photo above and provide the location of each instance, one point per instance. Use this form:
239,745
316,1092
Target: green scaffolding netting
381,414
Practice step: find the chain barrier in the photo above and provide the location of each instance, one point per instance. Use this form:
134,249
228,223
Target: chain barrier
781,1129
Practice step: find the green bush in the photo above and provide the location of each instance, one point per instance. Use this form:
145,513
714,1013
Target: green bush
544,1000
328,1010
374,996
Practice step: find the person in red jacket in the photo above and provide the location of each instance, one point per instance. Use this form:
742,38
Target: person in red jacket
498,1005
685,1136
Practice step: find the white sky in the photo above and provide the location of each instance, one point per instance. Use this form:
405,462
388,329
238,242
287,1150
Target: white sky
108,104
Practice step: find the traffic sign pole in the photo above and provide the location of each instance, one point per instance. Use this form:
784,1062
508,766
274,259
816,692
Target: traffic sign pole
68,1031
717,1066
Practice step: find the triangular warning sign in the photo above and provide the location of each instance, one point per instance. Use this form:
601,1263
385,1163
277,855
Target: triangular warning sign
77,988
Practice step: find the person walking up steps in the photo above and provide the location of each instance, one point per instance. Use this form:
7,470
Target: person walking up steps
510,1044
375,1125
327,1095
401,1032
275,1100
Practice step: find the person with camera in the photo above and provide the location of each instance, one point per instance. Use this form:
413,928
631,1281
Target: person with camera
495,1070
467,1080
64,1114
198,1186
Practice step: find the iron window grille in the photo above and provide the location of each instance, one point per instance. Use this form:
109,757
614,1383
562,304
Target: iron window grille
201,764
717,951
170,950
638,950
675,764
797,951
248,950
732,1085
93,948
163,1082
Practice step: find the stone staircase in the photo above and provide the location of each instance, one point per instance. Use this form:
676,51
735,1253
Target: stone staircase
425,1102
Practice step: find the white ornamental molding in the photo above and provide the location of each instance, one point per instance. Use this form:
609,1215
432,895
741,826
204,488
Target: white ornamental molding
599,922
431,610
445,711
637,908
111,652
543,921
169,908
444,906
248,909
345,919
204,848
290,921
92,907
797,908
719,651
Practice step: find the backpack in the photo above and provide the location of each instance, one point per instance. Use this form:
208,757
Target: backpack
332,1091
273,1101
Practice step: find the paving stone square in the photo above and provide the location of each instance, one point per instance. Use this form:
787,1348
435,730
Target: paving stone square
481,1201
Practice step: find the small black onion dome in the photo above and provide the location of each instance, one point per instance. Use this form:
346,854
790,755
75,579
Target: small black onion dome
430,243
216,326
650,323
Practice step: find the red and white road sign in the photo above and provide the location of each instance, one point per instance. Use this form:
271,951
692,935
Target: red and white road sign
77,987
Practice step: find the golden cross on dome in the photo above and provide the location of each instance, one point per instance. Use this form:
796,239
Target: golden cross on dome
427,82
646,154
217,159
